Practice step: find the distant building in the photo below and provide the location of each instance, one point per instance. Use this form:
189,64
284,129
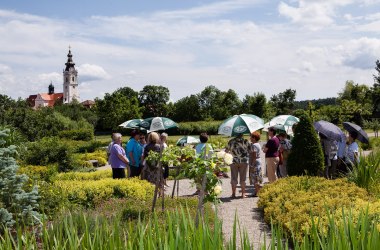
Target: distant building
88,103
70,89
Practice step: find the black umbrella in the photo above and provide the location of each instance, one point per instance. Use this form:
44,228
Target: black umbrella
351,127
330,130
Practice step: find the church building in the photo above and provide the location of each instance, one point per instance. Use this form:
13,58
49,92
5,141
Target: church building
70,88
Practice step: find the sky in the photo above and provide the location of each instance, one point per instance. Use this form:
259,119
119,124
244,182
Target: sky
250,46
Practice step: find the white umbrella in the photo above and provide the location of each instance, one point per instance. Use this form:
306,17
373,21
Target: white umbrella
282,122
240,124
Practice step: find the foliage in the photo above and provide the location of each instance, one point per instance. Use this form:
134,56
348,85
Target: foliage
89,192
256,105
80,231
318,103
306,156
330,113
77,112
50,150
36,173
115,109
284,101
99,155
362,233
51,200
93,176
77,134
373,124
366,173
187,109
295,203
87,147
16,205
193,128
153,99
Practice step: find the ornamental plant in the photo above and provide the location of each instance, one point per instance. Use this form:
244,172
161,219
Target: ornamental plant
306,156
15,203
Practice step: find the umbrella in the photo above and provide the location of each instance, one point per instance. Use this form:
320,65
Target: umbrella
187,140
240,124
282,122
351,127
134,123
329,130
158,123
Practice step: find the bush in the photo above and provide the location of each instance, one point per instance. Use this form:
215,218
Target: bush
93,176
194,128
295,203
99,155
39,173
50,150
88,147
51,200
306,156
88,193
77,134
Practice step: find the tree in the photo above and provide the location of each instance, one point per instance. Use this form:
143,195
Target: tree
209,100
375,92
16,204
356,102
187,109
115,109
306,156
228,104
153,99
284,102
256,105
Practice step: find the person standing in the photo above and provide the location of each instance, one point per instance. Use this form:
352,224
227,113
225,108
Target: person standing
284,151
163,139
352,151
255,175
151,170
134,153
118,159
271,155
240,149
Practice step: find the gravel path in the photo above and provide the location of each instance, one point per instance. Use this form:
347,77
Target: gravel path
248,214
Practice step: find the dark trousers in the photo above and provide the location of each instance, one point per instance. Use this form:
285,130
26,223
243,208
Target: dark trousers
135,171
118,173
166,172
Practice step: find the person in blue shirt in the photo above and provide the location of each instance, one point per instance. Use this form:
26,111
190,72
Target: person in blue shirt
200,147
134,152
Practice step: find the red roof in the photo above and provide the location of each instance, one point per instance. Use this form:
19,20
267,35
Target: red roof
52,97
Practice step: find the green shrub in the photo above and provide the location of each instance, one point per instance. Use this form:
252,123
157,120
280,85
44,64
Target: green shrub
51,200
88,147
295,203
99,155
77,176
90,192
50,150
77,134
39,173
306,156
195,128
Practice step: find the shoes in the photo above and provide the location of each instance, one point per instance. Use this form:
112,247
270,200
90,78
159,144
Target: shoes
166,185
196,192
225,175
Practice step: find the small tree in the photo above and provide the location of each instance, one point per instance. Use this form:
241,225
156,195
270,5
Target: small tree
306,156
15,203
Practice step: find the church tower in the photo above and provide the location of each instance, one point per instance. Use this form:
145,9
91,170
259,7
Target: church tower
70,80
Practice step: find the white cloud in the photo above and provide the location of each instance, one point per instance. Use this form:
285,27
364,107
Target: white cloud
90,72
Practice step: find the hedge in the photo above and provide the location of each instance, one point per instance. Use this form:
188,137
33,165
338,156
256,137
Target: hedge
77,134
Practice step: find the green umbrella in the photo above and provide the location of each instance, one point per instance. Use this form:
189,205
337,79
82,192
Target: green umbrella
240,124
282,122
134,123
158,123
187,140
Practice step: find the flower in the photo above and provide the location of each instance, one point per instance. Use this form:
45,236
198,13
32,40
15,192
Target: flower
218,190
220,154
228,158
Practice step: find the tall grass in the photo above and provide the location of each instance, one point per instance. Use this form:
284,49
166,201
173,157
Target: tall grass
361,235
366,173
78,231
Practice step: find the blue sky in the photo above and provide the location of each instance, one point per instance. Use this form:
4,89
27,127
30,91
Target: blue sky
250,46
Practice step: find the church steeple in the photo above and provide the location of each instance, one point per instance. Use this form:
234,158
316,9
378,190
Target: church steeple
51,88
70,63
70,80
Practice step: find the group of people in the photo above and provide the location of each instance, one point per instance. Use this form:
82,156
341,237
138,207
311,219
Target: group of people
247,159
132,157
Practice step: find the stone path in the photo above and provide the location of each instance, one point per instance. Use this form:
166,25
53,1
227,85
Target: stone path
246,210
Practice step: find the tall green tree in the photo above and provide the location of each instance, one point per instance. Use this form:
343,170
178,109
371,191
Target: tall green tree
114,109
187,109
356,102
228,104
209,100
153,99
255,104
283,103
306,156
375,91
